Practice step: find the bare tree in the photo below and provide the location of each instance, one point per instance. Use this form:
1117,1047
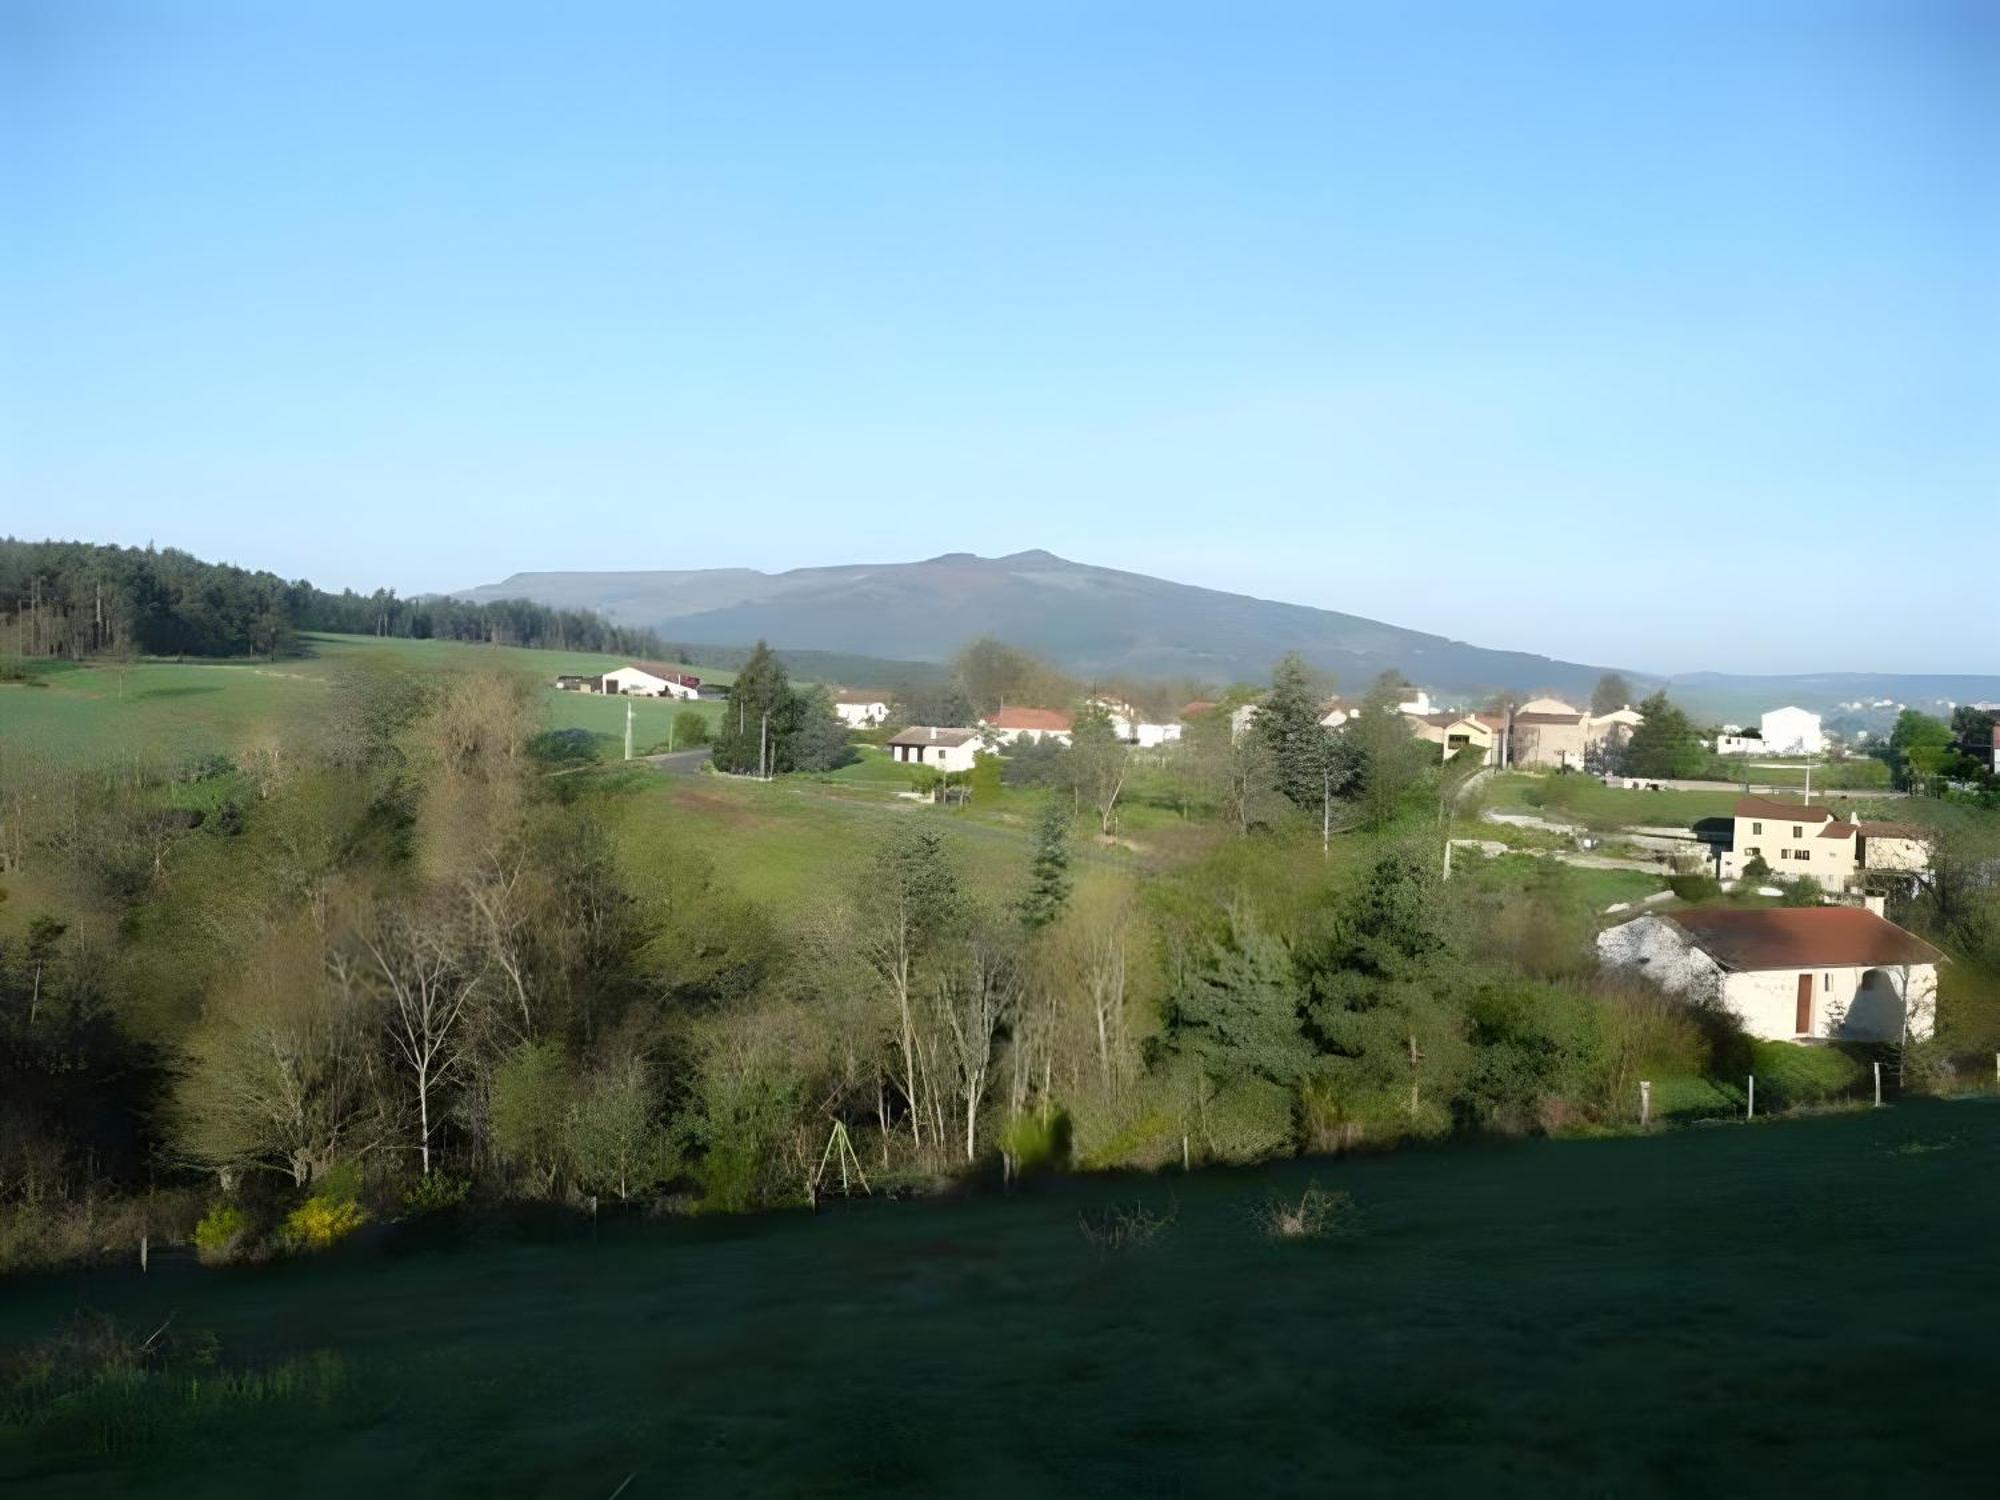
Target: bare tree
977,999
279,1072
410,957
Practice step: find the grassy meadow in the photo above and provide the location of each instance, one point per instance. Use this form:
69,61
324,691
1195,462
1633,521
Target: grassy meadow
168,710
1796,1307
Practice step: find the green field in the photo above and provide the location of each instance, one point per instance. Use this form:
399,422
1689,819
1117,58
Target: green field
1803,1307
1586,800
169,710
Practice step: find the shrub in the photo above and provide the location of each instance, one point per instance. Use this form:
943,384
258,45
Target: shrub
1319,1214
1695,887
320,1222
223,1234
690,729
1034,1141
1757,868
1789,1074
1534,1044
1804,891
566,747
435,1193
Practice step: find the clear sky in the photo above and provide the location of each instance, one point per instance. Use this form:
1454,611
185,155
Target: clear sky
1661,335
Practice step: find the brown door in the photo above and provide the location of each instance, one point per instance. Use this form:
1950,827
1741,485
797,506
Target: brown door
1805,1026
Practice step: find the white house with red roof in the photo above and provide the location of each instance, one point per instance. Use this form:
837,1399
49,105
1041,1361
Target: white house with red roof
1006,725
1789,973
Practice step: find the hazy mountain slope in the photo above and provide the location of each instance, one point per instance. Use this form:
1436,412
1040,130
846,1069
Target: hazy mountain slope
1088,619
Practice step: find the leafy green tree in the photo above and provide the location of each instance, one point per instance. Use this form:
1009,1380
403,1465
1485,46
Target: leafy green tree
1666,744
690,729
1376,758
756,730
613,1137
1922,748
1612,692
815,738
1100,762
1288,724
1048,869
528,1107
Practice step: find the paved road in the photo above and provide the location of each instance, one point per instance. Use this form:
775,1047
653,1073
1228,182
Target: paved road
1761,789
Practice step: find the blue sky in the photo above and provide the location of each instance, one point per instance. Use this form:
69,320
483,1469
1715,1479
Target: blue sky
1663,335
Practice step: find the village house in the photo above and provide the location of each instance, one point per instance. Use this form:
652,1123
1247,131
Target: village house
1134,728
1456,734
1985,750
649,680
1789,973
1548,732
861,710
1006,725
1782,731
945,750
1796,838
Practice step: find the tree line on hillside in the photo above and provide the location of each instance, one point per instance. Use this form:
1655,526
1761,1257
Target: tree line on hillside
77,600
378,964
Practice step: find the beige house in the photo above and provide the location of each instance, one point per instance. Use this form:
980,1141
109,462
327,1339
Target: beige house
944,750
1551,733
1806,973
1458,734
1556,737
1795,838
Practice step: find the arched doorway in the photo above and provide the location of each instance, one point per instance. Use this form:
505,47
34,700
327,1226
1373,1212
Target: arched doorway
1876,1015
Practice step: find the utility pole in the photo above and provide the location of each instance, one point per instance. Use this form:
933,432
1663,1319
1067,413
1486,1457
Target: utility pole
628,728
763,745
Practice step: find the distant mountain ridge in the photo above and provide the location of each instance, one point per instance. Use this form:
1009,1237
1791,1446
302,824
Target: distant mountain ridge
1103,622
1090,620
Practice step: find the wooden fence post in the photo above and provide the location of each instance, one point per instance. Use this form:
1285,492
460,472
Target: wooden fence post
1645,1103
1750,1112
1878,1083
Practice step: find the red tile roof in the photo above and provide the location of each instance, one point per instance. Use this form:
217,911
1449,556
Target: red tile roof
1803,937
1779,812
1039,720
1549,718
1199,706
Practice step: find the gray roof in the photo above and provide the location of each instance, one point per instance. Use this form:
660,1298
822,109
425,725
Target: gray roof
924,734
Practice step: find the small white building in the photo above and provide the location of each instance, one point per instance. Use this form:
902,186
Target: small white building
1131,726
650,680
1790,974
861,710
1782,731
945,750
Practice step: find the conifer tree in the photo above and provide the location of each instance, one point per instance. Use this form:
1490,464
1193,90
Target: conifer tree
1048,870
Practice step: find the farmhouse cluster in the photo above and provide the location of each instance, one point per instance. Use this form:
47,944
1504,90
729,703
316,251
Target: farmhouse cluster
634,680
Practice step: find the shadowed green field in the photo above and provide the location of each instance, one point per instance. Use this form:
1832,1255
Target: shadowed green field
1802,1307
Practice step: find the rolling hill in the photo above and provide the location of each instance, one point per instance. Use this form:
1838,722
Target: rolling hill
1091,620
1103,622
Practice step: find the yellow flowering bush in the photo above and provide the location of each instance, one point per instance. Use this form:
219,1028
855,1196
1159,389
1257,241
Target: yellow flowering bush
320,1221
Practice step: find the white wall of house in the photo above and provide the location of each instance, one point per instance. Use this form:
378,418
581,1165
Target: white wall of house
1848,1004
1150,736
938,756
1908,855
861,715
1792,731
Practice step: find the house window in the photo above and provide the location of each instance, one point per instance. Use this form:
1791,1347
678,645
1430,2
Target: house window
1756,827
1798,832
1825,983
